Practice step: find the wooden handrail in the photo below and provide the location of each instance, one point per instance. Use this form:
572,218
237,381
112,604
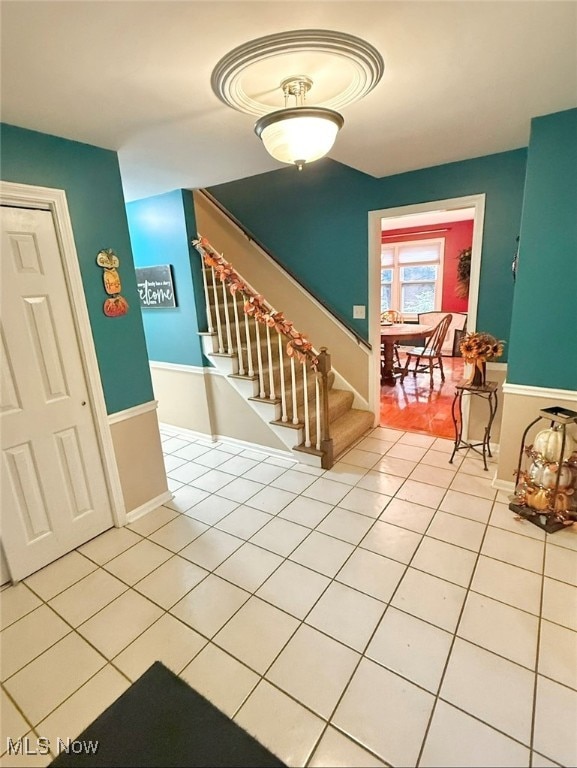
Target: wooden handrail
253,239
256,305
297,346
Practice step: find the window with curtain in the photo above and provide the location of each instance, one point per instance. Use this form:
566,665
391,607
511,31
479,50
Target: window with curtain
412,276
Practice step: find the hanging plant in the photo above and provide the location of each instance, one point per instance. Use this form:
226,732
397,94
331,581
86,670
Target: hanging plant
463,273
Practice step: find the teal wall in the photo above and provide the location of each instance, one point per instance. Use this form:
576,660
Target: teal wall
161,229
316,223
90,177
544,323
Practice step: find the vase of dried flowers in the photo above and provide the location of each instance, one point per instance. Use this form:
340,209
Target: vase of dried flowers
476,349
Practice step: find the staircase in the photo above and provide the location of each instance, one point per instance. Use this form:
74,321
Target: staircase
286,380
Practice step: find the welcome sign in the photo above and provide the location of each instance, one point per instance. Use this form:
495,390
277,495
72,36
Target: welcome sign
155,287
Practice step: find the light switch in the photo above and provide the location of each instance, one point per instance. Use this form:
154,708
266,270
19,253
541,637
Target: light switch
359,311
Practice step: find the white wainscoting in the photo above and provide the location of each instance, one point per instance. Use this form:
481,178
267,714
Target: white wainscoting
203,401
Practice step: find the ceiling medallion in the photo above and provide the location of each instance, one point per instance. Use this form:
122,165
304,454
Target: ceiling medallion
248,78
361,64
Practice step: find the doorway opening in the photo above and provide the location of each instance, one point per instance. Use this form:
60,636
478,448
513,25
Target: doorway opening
419,255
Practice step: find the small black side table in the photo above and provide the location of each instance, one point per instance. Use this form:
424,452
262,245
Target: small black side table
488,392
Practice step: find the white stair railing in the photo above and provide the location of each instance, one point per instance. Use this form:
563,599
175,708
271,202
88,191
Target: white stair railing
217,313
248,346
226,319
207,301
306,407
318,413
262,392
283,409
238,340
271,393
294,392
272,356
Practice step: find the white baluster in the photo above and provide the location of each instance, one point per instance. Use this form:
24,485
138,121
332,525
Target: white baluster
206,298
318,411
284,416
270,368
248,345
306,404
238,341
294,392
261,393
227,318
217,312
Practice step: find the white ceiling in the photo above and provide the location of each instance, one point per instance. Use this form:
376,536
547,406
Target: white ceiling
462,79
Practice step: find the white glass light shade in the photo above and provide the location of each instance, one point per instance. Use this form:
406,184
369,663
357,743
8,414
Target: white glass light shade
299,135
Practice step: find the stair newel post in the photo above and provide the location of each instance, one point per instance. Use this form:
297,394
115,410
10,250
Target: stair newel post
270,365
217,312
207,298
261,392
238,340
295,418
306,407
248,345
324,368
284,416
226,318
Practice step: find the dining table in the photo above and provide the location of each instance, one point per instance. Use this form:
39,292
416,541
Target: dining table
390,335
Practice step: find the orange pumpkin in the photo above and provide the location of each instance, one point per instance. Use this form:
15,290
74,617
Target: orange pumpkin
538,499
115,307
562,501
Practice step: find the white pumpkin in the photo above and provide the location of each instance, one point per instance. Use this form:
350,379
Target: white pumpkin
536,473
549,477
548,444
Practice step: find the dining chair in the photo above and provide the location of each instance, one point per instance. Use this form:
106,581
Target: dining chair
456,329
428,356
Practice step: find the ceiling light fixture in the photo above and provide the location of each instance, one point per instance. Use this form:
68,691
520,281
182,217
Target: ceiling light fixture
247,79
298,134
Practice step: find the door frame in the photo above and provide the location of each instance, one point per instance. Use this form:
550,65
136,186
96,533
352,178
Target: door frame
470,201
54,200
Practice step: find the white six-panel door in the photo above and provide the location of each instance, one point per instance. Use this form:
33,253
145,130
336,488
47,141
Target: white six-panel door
54,492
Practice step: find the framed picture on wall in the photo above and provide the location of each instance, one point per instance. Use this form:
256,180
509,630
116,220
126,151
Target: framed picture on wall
156,287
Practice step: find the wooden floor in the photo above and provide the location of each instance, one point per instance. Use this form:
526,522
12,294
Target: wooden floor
413,406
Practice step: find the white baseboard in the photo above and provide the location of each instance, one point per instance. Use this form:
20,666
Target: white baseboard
245,444
176,367
149,506
199,370
257,447
190,433
503,485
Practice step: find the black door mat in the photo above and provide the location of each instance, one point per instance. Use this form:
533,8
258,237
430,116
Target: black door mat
161,722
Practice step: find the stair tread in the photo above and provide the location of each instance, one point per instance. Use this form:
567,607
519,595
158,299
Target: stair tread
346,429
340,401
347,424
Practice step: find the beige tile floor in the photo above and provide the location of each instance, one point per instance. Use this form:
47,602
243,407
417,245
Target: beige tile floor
390,611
